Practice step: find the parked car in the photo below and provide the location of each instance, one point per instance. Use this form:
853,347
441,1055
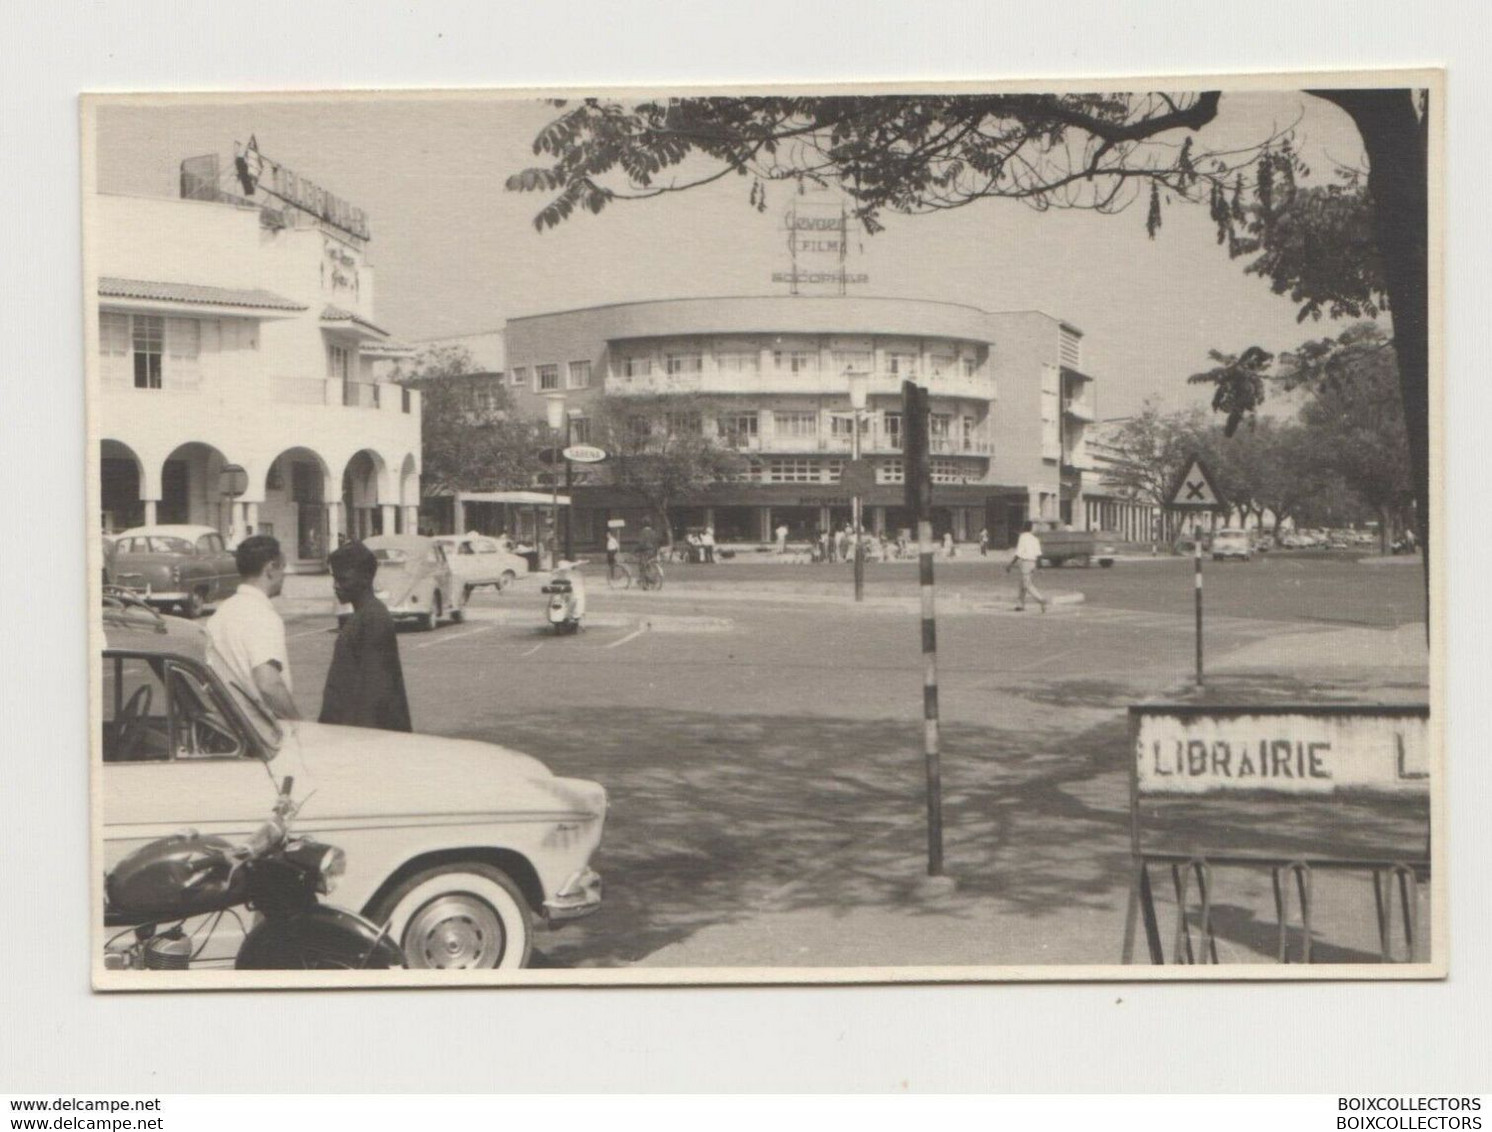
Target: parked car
175,565
415,579
1229,543
478,560
462,848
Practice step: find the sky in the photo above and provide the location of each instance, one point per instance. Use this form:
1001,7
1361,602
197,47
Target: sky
455,252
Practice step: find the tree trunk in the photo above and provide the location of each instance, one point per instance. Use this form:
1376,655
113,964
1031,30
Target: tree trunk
1396,142
1385,531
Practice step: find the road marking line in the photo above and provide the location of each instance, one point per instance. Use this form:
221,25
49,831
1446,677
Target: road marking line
635,633
533,650
455,637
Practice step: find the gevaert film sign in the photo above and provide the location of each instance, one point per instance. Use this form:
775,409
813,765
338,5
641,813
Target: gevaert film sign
1301,751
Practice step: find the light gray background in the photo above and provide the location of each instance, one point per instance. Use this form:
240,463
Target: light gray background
55,1036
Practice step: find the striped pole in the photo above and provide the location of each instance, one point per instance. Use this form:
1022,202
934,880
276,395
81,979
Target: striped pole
930,700
1197,542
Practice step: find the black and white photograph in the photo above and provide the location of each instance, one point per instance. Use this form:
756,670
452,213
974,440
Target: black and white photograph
916,533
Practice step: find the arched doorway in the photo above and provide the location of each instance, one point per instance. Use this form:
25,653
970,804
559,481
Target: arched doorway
295,506
191,487
361,496
121,478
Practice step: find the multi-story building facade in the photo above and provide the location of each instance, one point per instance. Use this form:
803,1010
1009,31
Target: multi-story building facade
767,376
239,381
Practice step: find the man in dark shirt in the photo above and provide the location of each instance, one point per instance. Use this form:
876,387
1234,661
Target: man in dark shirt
365,684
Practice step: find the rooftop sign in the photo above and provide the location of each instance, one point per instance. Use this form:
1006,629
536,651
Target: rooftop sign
255,171
818,241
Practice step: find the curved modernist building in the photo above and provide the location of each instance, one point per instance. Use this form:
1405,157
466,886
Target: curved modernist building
768,377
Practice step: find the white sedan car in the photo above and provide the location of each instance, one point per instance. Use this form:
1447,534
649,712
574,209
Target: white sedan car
461,847
477,560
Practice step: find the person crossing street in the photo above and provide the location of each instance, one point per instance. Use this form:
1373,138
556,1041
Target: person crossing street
1027,556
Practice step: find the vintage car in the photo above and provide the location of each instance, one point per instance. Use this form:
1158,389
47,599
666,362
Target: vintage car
179,565
415,579
479,560
461,847
1231,543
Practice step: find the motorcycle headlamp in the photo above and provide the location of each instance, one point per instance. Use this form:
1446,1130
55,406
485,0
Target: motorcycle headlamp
332,867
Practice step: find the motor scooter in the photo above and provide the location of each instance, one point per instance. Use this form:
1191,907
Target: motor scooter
276,875
566,592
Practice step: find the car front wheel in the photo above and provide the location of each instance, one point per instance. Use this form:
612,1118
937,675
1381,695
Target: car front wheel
459,916
506,581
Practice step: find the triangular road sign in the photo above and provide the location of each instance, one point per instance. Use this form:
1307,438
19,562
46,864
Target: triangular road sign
1196,488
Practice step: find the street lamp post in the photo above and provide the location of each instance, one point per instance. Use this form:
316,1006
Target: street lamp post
569,487
554,409
859,388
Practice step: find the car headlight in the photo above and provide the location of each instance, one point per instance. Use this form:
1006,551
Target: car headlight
381,595
333,866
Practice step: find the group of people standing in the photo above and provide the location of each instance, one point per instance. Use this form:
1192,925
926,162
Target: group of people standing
246,642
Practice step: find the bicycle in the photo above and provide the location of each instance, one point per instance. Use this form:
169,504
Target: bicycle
649,574
618,577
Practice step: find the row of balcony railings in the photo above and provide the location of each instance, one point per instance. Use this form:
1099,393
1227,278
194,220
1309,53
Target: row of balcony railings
779,379
872,442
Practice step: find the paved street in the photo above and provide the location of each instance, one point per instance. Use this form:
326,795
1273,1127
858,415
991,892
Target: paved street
764,757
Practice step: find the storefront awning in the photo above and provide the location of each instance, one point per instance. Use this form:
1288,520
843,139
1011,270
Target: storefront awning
529,498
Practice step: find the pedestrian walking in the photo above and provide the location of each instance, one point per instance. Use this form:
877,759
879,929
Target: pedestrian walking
246,636
781,538
948,544
1027,555
365,683
707,544
842,543
613,546
983,542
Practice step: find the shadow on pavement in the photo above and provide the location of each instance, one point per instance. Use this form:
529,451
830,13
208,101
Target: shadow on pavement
716,819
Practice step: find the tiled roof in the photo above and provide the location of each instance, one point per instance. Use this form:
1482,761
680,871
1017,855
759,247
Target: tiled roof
111,287
337,314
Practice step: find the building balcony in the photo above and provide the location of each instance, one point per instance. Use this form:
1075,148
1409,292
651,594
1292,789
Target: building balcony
774,382
873,443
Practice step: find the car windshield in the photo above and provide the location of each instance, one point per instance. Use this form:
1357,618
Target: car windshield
163,544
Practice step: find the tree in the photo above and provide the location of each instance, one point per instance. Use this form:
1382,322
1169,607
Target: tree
924,153
469,439
1356,419
1153,449
662,452
1238,384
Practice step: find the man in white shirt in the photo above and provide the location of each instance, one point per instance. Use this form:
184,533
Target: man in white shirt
1027,555
246,637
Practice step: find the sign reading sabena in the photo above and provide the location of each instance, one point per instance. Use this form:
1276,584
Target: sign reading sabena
1298,752
584,454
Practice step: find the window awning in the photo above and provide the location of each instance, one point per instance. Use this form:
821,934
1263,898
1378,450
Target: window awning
336,318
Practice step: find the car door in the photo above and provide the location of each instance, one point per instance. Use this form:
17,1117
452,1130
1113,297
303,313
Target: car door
462,558
174,757
219,564
445,577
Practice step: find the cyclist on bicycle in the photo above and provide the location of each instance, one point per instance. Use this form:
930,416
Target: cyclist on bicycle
612,546
647,545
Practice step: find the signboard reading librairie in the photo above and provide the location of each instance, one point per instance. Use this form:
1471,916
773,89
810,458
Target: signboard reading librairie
1300,752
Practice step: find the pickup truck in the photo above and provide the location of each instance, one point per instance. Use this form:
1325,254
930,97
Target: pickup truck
1085,547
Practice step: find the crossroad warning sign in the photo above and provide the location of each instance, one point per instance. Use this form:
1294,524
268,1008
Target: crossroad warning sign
1196,488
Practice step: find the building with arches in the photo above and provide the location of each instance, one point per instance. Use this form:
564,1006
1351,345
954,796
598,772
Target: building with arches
766,375
238,375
